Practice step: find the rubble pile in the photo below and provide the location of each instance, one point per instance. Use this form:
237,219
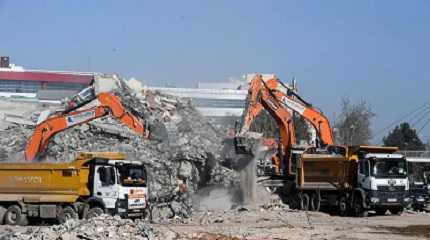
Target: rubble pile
102,227
12,142
184,149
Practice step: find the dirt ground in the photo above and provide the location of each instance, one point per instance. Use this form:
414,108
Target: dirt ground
288,224
280,224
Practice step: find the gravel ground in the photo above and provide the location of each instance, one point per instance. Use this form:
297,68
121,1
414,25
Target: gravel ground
276,223
286,224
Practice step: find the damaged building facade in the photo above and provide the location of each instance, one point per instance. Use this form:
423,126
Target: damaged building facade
18,82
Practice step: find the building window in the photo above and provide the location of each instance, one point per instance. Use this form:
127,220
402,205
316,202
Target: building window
23,86
218,103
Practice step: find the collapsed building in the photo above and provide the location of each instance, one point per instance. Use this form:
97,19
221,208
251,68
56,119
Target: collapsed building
187,150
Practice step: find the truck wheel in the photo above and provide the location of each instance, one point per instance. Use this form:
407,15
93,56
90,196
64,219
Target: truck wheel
304,202
271,189
315,202
294,201
24,220
67,213
13,215
2,212
380,211
94,212
343,206
359,210
396,211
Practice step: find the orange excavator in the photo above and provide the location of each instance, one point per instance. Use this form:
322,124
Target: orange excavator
281,101
320,175
107,103
260,98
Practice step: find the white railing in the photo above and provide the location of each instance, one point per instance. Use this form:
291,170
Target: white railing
416,154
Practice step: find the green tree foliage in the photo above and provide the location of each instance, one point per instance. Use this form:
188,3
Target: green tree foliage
353,125
404,137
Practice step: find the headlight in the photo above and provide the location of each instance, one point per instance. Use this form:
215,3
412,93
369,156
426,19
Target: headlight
374,200
406,199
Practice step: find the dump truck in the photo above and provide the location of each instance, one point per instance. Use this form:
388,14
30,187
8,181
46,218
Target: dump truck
365,178
93,184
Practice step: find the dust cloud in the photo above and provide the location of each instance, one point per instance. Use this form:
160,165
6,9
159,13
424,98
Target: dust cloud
242,195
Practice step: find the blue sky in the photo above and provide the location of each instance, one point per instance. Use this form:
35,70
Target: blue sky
373,50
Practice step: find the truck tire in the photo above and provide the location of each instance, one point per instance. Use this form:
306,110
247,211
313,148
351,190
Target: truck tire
294,201
2,212
343,206
94,212
359,210
67,213
13,215
315,202
24,220
304,202
396,211
380,211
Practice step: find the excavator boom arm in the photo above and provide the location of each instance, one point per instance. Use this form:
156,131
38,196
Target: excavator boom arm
291,100
118,111
259,99
279,100
315,117
109,103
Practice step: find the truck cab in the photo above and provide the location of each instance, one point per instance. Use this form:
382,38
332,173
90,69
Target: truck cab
383,179
120,186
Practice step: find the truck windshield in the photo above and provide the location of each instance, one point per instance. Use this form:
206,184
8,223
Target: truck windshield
133,176
389,168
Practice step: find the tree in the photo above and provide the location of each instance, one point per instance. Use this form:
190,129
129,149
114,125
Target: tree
404,137
353,125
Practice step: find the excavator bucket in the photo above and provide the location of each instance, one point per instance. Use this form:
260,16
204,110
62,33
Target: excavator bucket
244,143
241,147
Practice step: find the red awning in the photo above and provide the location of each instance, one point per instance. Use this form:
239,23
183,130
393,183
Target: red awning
46,77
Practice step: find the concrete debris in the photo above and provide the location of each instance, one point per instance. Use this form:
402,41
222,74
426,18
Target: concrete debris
185,149
15,119
102,227
272,223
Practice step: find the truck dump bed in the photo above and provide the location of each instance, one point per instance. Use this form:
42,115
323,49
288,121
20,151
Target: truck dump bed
44,182
325,172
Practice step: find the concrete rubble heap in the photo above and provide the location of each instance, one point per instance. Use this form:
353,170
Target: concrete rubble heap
102,227
185,149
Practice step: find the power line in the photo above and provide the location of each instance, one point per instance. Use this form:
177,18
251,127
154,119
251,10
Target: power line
420,118
409,114
425,124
